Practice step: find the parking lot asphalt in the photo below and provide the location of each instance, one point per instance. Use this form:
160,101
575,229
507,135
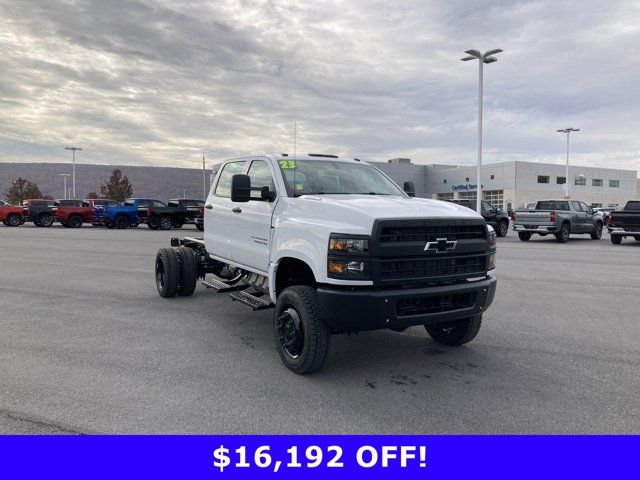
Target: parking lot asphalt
87,345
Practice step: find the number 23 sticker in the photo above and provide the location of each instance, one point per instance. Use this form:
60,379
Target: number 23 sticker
287,164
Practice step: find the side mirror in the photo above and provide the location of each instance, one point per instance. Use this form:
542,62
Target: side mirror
240,188
409,188
267,194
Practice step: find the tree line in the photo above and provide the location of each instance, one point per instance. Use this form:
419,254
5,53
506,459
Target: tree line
117,187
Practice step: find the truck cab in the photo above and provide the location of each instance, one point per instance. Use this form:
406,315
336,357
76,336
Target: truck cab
39,211
335,246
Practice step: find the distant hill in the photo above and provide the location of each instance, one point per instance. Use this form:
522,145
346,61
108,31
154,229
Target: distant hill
155,182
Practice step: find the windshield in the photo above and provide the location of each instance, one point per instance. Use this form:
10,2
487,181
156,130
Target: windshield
326,177
552,205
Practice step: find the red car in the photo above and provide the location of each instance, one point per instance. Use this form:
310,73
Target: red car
11,215
74,213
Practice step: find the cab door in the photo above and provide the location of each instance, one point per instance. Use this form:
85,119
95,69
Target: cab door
251,221
489,213
579,224
218,212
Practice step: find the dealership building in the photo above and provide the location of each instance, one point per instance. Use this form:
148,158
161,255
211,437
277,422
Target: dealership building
512,184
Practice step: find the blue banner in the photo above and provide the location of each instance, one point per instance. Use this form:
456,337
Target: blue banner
324,457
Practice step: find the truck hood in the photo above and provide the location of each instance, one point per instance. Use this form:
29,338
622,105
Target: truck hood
383,206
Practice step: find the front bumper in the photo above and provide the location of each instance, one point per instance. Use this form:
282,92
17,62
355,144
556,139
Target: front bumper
373,309
535,228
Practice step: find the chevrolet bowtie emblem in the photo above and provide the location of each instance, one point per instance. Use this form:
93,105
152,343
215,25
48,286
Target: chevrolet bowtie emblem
441,245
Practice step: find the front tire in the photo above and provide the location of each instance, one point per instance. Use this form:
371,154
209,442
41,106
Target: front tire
122,223
302,338
167,272
455,333
75,222
597,234
200,226
616,239
165,223
13,220
524,236
45,221
177,223
502,228
563,235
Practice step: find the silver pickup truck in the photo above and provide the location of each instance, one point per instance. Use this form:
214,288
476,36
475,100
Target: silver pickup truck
560,218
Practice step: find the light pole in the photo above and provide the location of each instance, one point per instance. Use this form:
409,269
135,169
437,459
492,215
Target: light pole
73,181
204,179
566,182
482,59
65,175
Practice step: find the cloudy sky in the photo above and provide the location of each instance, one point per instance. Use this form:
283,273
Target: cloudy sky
157,82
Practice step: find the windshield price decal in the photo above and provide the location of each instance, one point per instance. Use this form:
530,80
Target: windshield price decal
314,456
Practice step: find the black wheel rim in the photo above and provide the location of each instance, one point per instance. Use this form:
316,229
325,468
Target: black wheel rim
290,332
599,230
159,274
503,229
165,223
14,221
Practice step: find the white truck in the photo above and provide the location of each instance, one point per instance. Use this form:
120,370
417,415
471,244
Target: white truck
335,246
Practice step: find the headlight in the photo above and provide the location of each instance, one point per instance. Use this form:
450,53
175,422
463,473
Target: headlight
348,245
493,238
348,257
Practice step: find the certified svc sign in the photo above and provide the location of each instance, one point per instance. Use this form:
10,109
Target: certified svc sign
465,186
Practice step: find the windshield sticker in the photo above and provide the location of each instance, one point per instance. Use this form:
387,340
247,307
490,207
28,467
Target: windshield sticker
287,164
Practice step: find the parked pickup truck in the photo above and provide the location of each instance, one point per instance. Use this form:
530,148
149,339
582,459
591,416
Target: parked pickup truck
193,211
174,215
560,218
38,211
133,212
74,213
625,223
495,217
334,246
11,215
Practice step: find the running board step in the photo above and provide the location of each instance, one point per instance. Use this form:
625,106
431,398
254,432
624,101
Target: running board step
254,302
221,287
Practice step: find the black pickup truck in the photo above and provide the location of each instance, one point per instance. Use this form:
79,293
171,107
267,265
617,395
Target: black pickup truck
625,223
194,211
498,219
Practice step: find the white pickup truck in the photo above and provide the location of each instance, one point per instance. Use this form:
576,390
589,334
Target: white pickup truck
335,246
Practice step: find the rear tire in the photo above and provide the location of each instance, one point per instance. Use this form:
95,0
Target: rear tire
188,272
616,239
167,272
524,236
177,224
200,226
455,333
121,223
502,228
563,235
302,338
597,234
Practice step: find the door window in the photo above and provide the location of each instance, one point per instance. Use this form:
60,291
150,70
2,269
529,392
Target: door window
223,188
261,176
576,206
486,207
584,207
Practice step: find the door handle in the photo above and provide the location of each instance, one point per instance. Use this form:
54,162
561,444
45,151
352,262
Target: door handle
208,206
236,210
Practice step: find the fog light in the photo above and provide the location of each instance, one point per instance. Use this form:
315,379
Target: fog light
336,267
492,261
